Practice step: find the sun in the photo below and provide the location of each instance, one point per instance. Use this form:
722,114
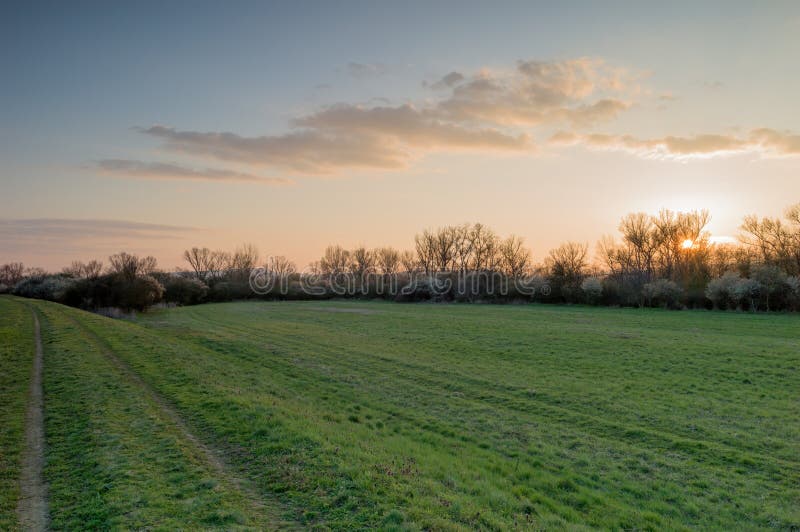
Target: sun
687,244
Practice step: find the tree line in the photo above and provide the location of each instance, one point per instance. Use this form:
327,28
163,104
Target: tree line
665,259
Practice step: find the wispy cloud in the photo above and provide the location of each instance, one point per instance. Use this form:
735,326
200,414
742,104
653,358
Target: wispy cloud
579,91
41,229
411,126
484,112
308,151
768,142
490,111
156,170
344,136
713,85
41,239
447,81
365,70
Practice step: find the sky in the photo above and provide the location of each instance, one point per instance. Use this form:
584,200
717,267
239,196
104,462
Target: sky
154,127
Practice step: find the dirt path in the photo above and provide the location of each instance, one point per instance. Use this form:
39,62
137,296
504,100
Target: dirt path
32,507
213,457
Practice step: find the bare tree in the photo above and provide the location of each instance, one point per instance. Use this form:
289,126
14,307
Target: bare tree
148,265
409,261
463,243
776,242
92,269
198,259
35,272
729,258
445,248
640,233
681,243
568,261
426,249
126,265
81,270
243,259
314,268
362,262
218,262
335,261
74,270
608,254
280,266
514,257
485,246
11,273
387,260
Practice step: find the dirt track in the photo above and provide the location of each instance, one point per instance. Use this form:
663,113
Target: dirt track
32,507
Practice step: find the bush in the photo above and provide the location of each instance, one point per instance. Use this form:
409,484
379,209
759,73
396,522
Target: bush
114,290
722,291
140,293
592,290
731,291
418,289
230,291
623,289
746,291
49,287
773,285
793,296
184,291
662,292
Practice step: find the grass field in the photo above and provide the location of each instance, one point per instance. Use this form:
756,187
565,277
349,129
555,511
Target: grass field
353,414
16,358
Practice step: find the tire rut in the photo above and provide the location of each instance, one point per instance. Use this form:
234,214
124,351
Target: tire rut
32,507
213,457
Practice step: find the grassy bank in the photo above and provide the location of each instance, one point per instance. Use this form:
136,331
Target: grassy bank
16,358
352,414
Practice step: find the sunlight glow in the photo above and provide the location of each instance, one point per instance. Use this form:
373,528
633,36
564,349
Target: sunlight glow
722,239
687,244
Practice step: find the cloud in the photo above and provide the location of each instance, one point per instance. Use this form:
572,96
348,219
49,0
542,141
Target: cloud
306,151
449,80
365,70
44,229
579,91
48,241
765,141
488,111
410,126
776,142
155,170
344,136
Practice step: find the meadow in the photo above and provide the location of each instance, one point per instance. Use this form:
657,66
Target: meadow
342,415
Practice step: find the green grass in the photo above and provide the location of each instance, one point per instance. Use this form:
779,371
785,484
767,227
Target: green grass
352,414
16,361
112,459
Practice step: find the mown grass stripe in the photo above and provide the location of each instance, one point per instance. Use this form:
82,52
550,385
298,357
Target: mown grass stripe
112,460
17,352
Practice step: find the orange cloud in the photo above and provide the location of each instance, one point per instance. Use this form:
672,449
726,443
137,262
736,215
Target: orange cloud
577,91
345,136
483,112
146,170
765,141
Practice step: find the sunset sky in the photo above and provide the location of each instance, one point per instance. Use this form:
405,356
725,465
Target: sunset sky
159,126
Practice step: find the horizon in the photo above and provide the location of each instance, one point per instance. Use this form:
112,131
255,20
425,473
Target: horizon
153,129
